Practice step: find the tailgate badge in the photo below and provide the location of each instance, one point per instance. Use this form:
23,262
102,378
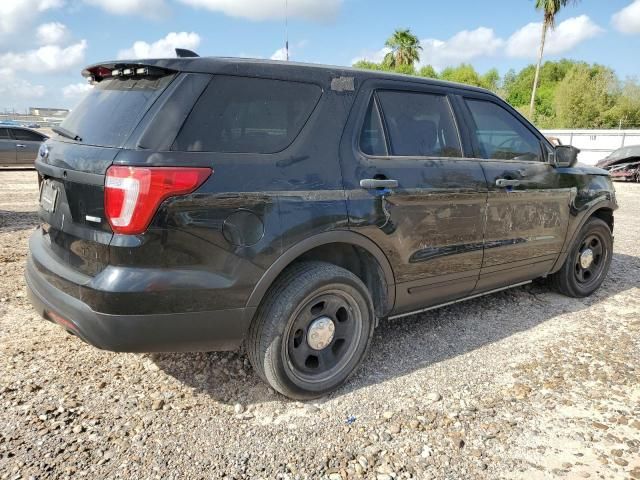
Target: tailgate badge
90,218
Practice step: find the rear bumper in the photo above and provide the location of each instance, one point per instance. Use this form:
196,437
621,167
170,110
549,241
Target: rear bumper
170,332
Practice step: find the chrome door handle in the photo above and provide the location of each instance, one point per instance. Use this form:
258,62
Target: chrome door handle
371,183
19,145
503,182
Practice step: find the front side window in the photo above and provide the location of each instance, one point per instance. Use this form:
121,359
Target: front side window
500,135
26,135
4,134
247,115
420,124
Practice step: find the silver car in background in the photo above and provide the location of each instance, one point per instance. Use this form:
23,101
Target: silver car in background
19,146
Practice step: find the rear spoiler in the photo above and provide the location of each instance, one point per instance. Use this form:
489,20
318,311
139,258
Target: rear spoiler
97,73
131,68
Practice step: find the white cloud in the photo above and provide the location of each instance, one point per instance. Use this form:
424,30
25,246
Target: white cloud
53,33
567,35
627,20
14,89
163,48
462,47
16,15
271,9
146,8
75,90
49,58
280,54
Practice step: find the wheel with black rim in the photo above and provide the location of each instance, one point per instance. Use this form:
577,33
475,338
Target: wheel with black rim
312,330
588,261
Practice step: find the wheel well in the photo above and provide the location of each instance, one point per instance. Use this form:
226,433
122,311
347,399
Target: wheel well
359,262
606,215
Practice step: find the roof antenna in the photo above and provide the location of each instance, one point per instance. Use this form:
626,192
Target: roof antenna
286,28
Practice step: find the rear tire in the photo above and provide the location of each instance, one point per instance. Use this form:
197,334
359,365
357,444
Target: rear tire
312,330
588,261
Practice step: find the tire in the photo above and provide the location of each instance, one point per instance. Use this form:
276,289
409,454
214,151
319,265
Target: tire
312,330
575,279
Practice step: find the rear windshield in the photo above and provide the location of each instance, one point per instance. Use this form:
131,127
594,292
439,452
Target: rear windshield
247,115
107,115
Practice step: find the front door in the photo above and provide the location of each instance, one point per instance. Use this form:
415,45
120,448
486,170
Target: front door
410,190
27,144
527,210
7,148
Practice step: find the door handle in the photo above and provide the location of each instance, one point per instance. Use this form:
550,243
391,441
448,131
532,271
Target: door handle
503,182
371,183
19,145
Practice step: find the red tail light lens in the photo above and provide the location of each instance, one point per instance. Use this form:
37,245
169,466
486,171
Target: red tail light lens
132,195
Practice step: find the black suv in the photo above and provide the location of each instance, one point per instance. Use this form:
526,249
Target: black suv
194,204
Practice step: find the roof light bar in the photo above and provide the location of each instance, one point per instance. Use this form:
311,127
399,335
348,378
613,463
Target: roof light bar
116,72
127,71
142,71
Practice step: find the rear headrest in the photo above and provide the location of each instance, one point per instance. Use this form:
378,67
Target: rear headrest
414,137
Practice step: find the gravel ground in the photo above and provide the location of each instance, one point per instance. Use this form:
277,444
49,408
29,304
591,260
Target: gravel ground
521,384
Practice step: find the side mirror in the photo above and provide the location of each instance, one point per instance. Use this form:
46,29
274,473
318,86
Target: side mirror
564,156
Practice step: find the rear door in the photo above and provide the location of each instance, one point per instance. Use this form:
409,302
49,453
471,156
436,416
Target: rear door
27,143
7,148
412,192
528,208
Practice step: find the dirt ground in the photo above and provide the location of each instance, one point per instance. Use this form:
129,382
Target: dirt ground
521,384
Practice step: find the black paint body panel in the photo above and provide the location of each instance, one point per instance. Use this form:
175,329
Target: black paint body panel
201,269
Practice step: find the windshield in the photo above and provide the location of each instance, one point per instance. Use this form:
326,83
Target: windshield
107,115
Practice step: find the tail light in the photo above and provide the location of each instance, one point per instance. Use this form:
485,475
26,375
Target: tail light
132,195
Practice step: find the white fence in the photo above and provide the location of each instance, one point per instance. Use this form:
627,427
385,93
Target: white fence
595,144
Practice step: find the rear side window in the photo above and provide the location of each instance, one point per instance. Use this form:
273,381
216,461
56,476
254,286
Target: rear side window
372,140
247,115
110,111
420,124
4,134
26,135
500,135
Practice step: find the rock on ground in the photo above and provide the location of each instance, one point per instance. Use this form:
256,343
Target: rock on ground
521,384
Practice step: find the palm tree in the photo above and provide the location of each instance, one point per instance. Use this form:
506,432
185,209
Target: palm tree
405,49
550,9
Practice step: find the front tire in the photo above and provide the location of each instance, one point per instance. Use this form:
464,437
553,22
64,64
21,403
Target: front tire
588,261
312,330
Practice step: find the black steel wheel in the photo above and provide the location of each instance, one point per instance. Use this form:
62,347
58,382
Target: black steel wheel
323,335
588,261
312,330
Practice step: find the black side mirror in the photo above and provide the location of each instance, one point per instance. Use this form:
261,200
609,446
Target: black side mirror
564,156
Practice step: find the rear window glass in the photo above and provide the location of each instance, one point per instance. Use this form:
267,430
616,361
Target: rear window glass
247,115
110,111
420,124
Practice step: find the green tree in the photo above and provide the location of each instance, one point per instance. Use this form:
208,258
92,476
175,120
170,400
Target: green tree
584,97
428,72
550,9
405,49
465,73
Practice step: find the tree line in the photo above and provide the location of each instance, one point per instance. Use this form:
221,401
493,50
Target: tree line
571,94
562,94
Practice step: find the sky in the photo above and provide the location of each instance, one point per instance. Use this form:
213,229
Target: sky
45,43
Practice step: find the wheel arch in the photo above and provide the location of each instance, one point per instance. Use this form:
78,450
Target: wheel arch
318,247
603,210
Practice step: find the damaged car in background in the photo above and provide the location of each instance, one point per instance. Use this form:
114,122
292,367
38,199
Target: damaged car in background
623,164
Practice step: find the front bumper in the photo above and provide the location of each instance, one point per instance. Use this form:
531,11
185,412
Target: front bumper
157,332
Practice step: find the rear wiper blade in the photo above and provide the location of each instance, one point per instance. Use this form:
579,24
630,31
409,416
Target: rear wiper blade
66,133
